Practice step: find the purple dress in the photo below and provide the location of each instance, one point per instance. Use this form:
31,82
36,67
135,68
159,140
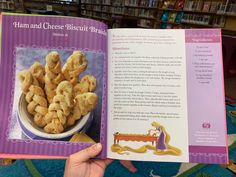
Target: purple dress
161,145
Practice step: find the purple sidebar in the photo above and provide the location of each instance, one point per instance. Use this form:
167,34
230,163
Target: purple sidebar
206,100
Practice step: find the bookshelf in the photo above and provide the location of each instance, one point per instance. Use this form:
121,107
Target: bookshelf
11,6
53,7
201,14
19,6
163,13
7,6
96,9
118,12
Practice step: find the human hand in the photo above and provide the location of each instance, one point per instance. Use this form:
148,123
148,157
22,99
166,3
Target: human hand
80,164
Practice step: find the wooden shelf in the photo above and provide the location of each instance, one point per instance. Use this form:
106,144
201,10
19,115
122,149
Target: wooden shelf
91,10
189,11
174,10
148,18
7,9
130,16
200,12
140,7
86,3
120,14
139,17
116,5
141,26
230,15
230,30
64,2
106,12
6,2
95,17
227,14
96,4
106,5
197,24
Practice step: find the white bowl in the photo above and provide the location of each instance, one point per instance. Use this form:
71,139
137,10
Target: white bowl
34,132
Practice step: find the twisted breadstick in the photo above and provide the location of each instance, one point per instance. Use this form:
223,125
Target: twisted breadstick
63,111
37,104
53,74
84,103
26,80
74,66
86,84
38,72
54,126
65,89
60,108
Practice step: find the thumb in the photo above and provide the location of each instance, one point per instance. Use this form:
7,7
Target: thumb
86,154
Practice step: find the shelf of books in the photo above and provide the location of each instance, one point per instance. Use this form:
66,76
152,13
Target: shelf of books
19,6
164,13
7,6
118,11
54,7
11,6
96,9
198,14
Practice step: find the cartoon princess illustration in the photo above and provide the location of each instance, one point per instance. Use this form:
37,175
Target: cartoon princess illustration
161,145
158,134
163,136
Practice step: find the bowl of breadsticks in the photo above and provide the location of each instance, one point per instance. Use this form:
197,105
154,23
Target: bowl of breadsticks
55,102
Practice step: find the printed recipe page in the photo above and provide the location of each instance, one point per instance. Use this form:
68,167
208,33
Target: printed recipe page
147,95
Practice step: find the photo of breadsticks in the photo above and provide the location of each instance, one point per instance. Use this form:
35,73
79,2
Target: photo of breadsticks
58,92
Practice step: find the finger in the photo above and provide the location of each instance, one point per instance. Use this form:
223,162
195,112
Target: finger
102,163
86,154
128,164
105,162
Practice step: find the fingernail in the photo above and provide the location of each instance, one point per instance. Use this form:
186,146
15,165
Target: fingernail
133,170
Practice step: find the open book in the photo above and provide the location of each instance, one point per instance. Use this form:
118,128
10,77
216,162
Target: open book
145,94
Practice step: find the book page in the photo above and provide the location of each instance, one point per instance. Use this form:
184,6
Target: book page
147,104
53,92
